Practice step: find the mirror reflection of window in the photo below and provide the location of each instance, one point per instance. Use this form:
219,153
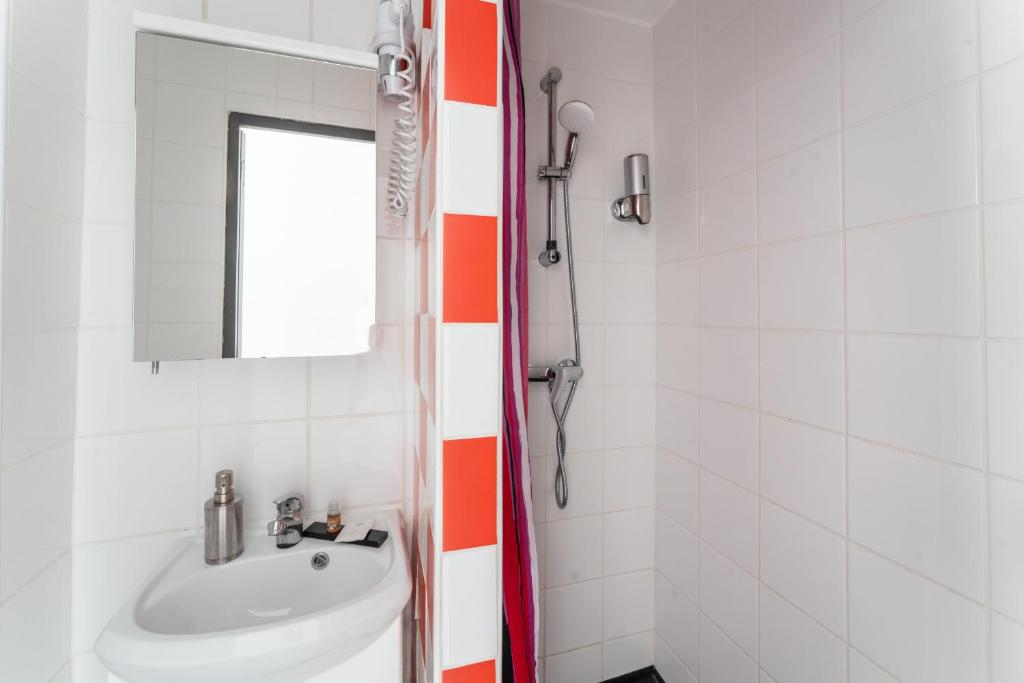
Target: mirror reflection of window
305,275
289,271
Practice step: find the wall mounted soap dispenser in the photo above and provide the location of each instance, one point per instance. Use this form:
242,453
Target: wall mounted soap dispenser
222,521
636,205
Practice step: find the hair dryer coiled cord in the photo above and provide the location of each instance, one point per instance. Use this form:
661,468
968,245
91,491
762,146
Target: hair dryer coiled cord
402,168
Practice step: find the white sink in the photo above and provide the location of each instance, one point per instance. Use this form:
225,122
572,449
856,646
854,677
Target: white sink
268,616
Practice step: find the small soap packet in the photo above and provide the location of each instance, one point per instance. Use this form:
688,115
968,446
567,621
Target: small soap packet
354,532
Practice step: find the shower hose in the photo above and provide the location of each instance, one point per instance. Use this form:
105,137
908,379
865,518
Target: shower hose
561,478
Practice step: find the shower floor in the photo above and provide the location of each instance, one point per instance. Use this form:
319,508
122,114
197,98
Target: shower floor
648,675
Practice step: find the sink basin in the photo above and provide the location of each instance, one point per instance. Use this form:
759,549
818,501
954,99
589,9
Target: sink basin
268,616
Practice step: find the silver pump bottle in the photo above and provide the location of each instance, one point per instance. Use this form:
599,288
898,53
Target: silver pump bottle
222,517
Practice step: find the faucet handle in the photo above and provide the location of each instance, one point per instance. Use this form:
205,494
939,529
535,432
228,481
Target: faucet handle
290,503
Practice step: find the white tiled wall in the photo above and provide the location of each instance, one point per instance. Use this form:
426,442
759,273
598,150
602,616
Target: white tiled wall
596,556
147,445
840,194
44,139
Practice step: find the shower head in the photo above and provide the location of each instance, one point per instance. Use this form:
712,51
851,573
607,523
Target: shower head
576,117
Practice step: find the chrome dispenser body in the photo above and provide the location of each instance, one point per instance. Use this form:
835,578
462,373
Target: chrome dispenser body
636,205
222,521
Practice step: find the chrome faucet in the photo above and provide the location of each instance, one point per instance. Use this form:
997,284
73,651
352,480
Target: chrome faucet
288,525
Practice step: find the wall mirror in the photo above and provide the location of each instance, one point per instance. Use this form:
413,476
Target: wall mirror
255,203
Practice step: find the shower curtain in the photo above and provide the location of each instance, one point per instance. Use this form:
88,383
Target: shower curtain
519,556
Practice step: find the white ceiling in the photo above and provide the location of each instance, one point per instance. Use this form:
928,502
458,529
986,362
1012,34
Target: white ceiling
638,11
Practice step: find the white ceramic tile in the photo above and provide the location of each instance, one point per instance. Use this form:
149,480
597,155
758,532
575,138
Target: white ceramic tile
729,442
675,96
106,575
918,159
677,556
569,667
154,476
295,78
110,172
42,259
346,24
801,284
190,62
469,618
1002,22
356,461
675,620
348,88
34,535
469,380
628,604
920,394
678,236
252,72
727,139
1002,106
927,516
36,625
189,233
1004,281
864,671
629,294
573,616
628,541
48,44
917,277
728,596
678,21
799,102
803,470
600,45
268,459
585,428
185,293
800,193
678,292
912,627
106,280
802,377
257,389
728,289
469,179
629,654
728,520
1005,364
728,364
117,395
628,478
787,28
1007,547
728,213
721,661
366,383
727,63
46,146
573,551
905,49
794,648
628,416
289,18
805,564
669,665
676,489
1007,650
110,67
854,8
677,422
629,354
714,15
678,357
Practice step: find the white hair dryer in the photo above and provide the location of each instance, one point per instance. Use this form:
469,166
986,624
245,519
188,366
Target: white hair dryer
396,81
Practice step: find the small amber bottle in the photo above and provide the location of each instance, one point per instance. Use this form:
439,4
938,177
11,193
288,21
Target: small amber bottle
333,517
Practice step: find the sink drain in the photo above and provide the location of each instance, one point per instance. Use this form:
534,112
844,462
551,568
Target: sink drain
320,561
